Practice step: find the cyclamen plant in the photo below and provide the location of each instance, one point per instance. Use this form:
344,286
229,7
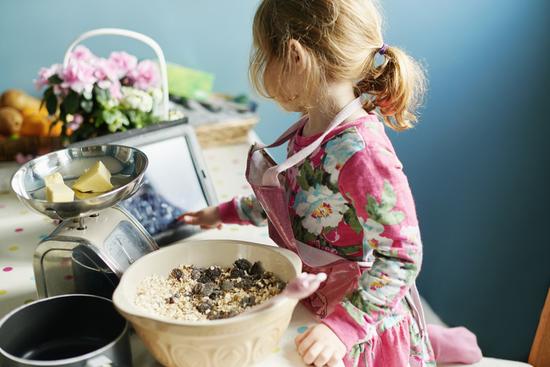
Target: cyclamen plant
94,96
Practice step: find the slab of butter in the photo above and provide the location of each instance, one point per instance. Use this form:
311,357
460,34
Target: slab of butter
96,179
53,178
59,193
85,195
56,190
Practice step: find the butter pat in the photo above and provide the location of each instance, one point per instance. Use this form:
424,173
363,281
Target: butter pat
53,179
95,179
59,193
85,195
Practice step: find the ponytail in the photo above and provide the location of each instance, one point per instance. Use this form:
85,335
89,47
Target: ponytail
397,85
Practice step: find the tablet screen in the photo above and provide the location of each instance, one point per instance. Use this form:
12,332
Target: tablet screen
171,186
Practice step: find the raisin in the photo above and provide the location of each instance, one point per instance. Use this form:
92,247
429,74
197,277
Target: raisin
243,264
227,285
195,274
237,273
203,308
257,268
170,300
213,272
176,273
208,289
198,288
204,278
215,294
246,283
248,301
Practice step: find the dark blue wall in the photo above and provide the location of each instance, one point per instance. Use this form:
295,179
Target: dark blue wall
478,162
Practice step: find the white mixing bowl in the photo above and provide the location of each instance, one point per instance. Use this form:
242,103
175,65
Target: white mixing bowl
234,342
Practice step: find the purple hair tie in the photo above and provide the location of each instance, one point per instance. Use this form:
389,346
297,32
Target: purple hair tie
383,49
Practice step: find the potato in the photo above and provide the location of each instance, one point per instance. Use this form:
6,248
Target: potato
11,121
19,100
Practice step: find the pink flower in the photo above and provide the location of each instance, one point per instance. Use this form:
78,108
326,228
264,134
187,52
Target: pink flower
122,63
114,90
145,75
79,76
105,70
44,74
82,53
22,158
76,122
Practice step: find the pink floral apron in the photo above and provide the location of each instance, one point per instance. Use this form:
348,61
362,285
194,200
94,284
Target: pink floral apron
342,275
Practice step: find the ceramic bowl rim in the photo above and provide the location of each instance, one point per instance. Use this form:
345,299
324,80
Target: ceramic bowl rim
118,298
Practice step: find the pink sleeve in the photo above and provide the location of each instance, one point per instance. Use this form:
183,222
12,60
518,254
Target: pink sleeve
228,212
373,183
242,210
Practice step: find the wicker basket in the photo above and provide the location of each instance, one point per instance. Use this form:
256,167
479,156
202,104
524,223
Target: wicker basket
28,145
225,132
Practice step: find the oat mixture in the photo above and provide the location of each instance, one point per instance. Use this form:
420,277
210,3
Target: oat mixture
192,293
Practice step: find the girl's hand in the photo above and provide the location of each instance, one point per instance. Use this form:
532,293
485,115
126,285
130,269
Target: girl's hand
207,218
320,347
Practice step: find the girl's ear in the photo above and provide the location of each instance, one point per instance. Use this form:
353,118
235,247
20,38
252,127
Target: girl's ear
298,55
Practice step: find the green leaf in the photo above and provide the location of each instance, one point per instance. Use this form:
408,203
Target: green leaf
391,218
307,169
389,198
350,217
71,102
55,79
51,101
87,106
302,181
372,207
102,96
307,236
347,250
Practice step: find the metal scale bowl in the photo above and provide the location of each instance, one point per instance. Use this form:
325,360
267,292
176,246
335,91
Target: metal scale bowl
96,240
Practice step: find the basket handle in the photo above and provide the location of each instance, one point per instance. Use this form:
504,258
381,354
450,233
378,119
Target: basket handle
137,36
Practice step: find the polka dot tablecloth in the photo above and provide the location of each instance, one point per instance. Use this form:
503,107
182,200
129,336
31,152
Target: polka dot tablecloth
21,230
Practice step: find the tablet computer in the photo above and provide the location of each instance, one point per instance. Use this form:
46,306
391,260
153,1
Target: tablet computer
176,180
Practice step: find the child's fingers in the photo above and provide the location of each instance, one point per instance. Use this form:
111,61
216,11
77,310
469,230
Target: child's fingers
190,218
313,352
324,356
305,344
301,336
185,216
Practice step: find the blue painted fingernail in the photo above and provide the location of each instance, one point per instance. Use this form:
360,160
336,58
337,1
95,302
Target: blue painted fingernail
302,329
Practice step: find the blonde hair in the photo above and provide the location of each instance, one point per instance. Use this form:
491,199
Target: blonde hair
343,38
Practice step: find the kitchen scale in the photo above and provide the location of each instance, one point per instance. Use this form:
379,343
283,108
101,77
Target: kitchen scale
96,239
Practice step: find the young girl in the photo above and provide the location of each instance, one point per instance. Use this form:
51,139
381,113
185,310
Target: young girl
341,200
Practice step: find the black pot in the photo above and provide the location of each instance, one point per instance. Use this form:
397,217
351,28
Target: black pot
68,330
91,274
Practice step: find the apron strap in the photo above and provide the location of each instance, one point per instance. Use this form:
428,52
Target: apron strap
284,136
270,177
